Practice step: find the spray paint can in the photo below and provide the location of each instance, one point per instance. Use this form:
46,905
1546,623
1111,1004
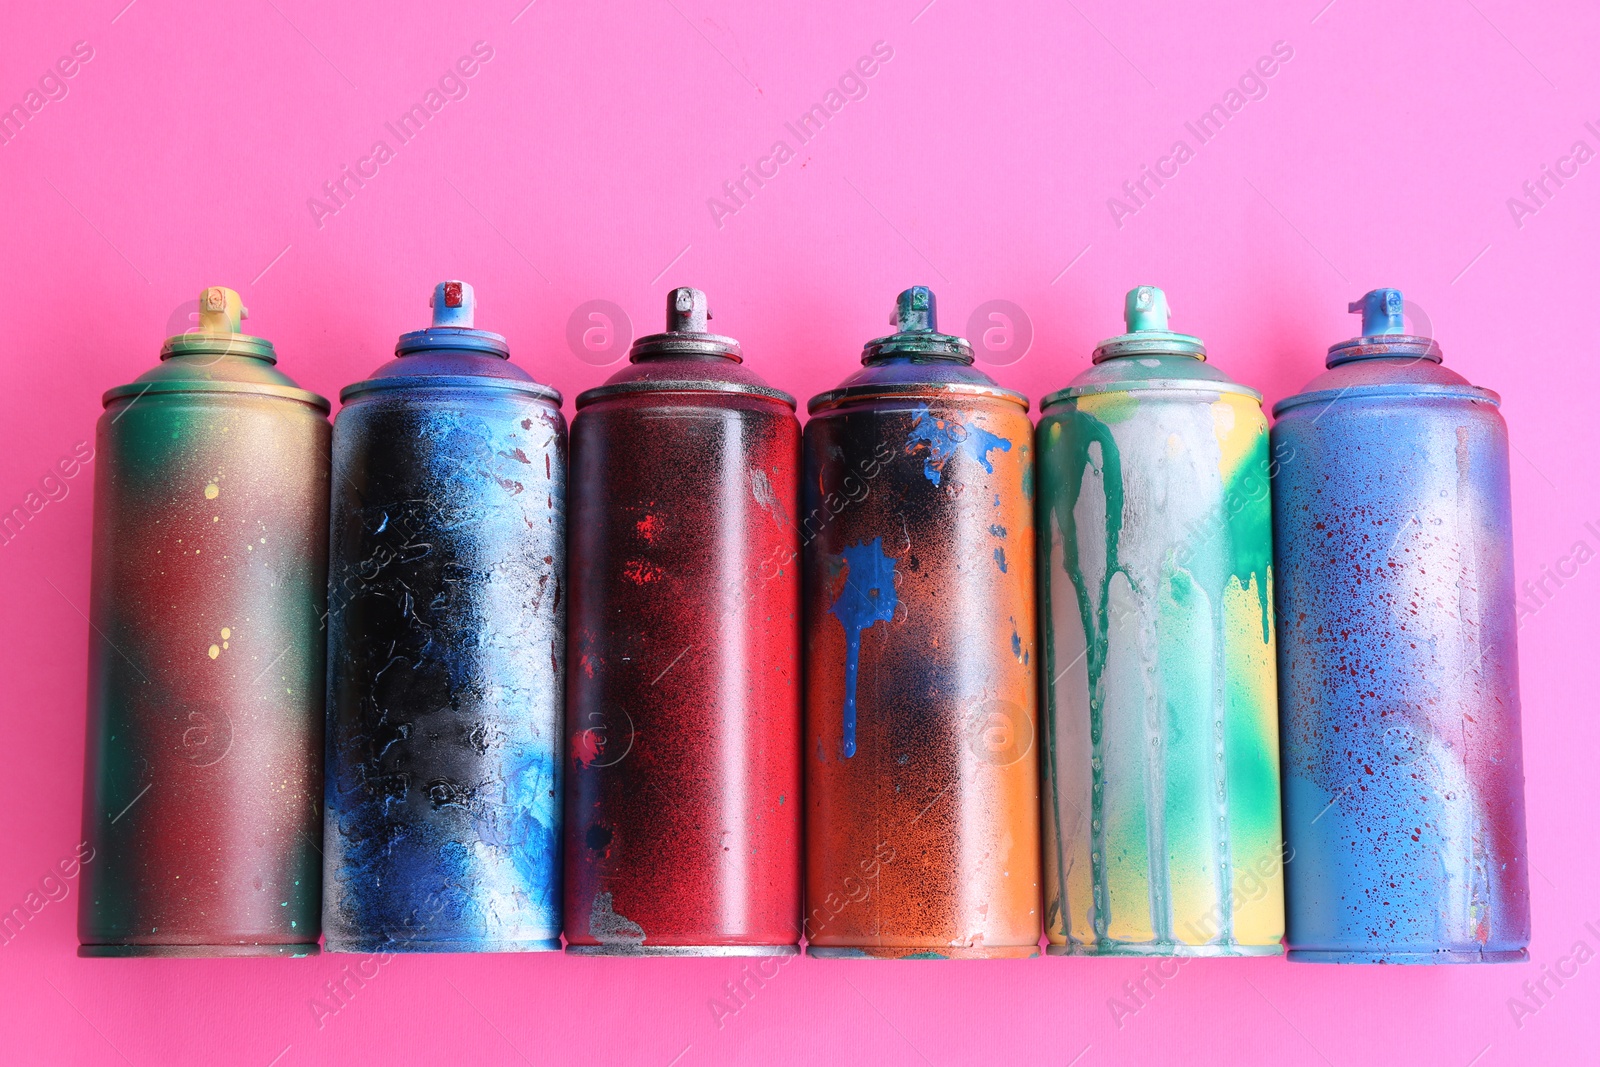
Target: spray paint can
204,757
446,639
683,704
1163,834
922,781
1402,744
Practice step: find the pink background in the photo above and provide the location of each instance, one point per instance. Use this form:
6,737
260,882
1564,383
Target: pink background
578,168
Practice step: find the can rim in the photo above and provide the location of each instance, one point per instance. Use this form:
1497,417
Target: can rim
1460,392
929,390
286,392
605,392
449,382
1164,385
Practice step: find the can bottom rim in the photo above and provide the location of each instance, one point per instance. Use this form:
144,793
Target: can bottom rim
410,945
1408,957
921,952
197,951
1167,949
682,950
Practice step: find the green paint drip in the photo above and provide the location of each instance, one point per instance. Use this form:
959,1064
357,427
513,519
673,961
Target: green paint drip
1079,432
1249,517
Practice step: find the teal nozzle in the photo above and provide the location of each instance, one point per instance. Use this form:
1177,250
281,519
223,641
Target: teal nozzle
1383,313
453,304
1147,315
1146,309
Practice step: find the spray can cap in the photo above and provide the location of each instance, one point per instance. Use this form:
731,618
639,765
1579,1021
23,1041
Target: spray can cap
220,333
916,323
1383,332
1146,313
687,333
454,307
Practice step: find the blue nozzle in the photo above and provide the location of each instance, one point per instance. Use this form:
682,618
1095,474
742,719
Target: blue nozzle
915,312
1382,312
453,304
1146,309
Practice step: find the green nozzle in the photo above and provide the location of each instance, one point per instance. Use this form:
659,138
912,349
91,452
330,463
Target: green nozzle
1146,309
915,311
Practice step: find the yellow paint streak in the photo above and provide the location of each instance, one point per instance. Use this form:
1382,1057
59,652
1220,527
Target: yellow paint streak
1107,407
1256,832
1238,424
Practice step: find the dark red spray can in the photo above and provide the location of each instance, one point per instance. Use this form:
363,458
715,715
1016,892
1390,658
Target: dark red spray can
683,698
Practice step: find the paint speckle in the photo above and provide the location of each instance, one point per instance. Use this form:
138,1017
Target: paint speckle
639,572
213,651
212,490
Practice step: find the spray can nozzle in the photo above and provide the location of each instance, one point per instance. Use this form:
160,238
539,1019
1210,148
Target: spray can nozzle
453,304
687,311
916,332
1384,333
1145,308
1383,312
221,310
688,332
915,311
1148,317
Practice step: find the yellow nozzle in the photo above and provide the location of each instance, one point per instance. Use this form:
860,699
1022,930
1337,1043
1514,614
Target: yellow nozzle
221,310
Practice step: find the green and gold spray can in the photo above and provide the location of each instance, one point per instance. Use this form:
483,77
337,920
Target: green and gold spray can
1162,828
204,748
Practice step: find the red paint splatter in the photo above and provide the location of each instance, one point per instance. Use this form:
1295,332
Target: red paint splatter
586,747
639,572
649,528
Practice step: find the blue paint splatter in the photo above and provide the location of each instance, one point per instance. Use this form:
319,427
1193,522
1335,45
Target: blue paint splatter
866,597
945,437
1000,558
998,530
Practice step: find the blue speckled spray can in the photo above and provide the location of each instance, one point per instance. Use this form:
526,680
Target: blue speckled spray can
1402,752
446,650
